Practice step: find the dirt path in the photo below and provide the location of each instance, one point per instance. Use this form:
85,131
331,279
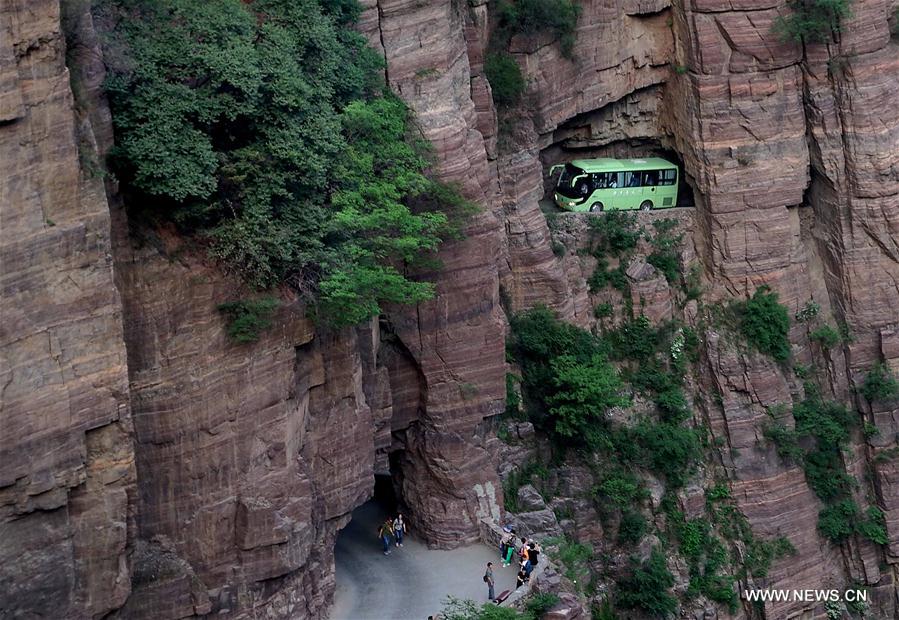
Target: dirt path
410,583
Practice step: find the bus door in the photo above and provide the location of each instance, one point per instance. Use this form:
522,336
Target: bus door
650,182
633,189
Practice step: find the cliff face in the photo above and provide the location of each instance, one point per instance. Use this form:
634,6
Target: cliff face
149,465
66,461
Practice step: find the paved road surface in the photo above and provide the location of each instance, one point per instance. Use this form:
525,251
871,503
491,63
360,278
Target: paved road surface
411,583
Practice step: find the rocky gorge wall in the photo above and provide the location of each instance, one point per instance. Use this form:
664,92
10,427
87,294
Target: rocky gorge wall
173,473
67,471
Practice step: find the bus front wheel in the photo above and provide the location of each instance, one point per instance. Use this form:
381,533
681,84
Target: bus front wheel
596,207
646,205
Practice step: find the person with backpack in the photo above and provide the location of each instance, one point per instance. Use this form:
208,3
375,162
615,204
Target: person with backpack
399,529
488,579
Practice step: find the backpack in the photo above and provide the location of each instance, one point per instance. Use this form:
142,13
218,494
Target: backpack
485,577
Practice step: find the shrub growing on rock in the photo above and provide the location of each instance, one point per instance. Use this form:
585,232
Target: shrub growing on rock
505,78
530,17
648,587
879,384
247,319
812,21
631,528
765,323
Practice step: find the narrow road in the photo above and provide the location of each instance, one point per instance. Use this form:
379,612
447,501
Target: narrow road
412,582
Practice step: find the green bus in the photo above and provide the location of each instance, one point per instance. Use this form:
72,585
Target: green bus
616,184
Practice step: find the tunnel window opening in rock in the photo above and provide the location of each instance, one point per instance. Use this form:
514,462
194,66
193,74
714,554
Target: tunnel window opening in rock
574,141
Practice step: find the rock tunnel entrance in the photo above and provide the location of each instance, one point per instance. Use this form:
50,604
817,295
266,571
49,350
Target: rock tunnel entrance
621,130
413,581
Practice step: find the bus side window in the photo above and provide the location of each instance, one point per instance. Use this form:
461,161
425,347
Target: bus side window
604,180
650,178
632,179
668,177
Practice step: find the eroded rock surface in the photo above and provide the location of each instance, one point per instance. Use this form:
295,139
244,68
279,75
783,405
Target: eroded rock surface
66,459
249,459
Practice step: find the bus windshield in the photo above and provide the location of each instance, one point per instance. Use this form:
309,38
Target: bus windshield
572,182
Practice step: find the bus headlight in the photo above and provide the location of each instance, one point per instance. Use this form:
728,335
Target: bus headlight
571,204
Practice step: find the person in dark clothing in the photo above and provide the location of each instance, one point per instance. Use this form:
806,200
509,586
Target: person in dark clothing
522,578
488,579
533,554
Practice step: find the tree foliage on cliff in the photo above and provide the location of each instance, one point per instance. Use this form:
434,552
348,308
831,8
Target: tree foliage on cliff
765,323
531,17
264,127
812,21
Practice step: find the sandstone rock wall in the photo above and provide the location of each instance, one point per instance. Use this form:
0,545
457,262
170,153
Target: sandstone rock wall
66,458
455,341
194,475
795,184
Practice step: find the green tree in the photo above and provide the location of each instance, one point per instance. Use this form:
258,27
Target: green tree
584,393
648,587
766,323
506,80
879,384
264,127
812,21
529,17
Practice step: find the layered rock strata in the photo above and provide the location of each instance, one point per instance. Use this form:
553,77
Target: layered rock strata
66,460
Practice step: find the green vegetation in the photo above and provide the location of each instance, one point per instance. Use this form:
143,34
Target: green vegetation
761,553
812,21
648,587
602,277
505,78
572,556
248,318
879,384
569,384
826,426
263,128
765,323
706,556
631,528
530,472
668,449
531,17
513,398
825,335
584,392
555,359
615,233
622,488
733,526
808,312
541,603
664,256
466,609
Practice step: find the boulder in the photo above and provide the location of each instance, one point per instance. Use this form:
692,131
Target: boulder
537,524
529,498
